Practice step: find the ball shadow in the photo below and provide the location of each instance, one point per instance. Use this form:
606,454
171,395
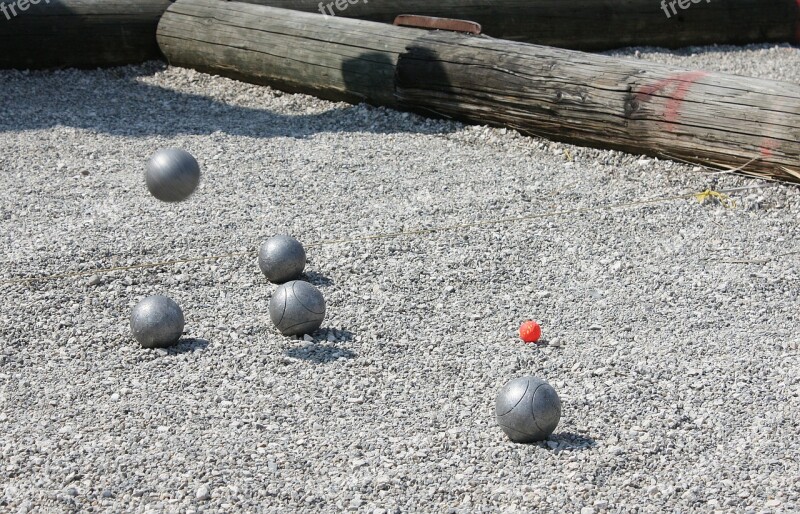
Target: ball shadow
188,345
124,105
342,336
320,353
324,350
570,441
316,279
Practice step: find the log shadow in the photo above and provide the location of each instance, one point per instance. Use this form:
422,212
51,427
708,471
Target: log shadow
369,77
418,75
121,102
79,34
316,279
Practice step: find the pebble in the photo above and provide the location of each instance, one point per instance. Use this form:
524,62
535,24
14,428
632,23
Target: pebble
202,493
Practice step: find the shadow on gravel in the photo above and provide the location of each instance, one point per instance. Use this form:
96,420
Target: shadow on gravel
695,50
115,101
320,353
317,279
570,441
188,345
323,352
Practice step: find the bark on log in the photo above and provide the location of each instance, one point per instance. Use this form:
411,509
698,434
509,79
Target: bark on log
591,24
78,33
332,58
720,120
714,119
90,33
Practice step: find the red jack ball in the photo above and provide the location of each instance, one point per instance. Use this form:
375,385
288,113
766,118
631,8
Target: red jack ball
530,331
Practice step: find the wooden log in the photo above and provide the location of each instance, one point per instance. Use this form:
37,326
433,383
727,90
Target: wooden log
646,108
78,33
719,120
591,24
332,58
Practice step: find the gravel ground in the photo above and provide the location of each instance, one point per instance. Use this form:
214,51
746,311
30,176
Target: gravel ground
670,328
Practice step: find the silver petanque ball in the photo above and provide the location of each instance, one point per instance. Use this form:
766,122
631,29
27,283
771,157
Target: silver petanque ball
297,307
281,258
157,321
528,409
172,175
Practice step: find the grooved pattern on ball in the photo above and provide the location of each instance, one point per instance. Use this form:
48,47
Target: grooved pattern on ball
546,404
277,306
510,396
314,307
527,409
303,327
296,308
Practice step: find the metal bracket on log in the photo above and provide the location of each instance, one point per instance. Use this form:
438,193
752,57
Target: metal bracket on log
432,22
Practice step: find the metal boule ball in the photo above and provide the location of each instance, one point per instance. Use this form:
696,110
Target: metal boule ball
172,175
281,258
296,308
528,409
157,322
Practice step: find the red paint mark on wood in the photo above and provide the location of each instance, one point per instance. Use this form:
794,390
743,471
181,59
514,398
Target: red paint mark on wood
767,146
682,82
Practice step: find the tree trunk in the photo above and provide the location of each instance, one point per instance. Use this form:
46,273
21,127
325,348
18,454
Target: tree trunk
591,24
710,118
725,121
332,58
78,33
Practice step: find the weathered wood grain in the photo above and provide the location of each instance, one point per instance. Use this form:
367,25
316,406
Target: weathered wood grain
89,33
718,120
292,51
591,24
79,33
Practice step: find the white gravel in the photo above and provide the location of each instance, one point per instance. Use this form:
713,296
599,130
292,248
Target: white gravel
673,327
